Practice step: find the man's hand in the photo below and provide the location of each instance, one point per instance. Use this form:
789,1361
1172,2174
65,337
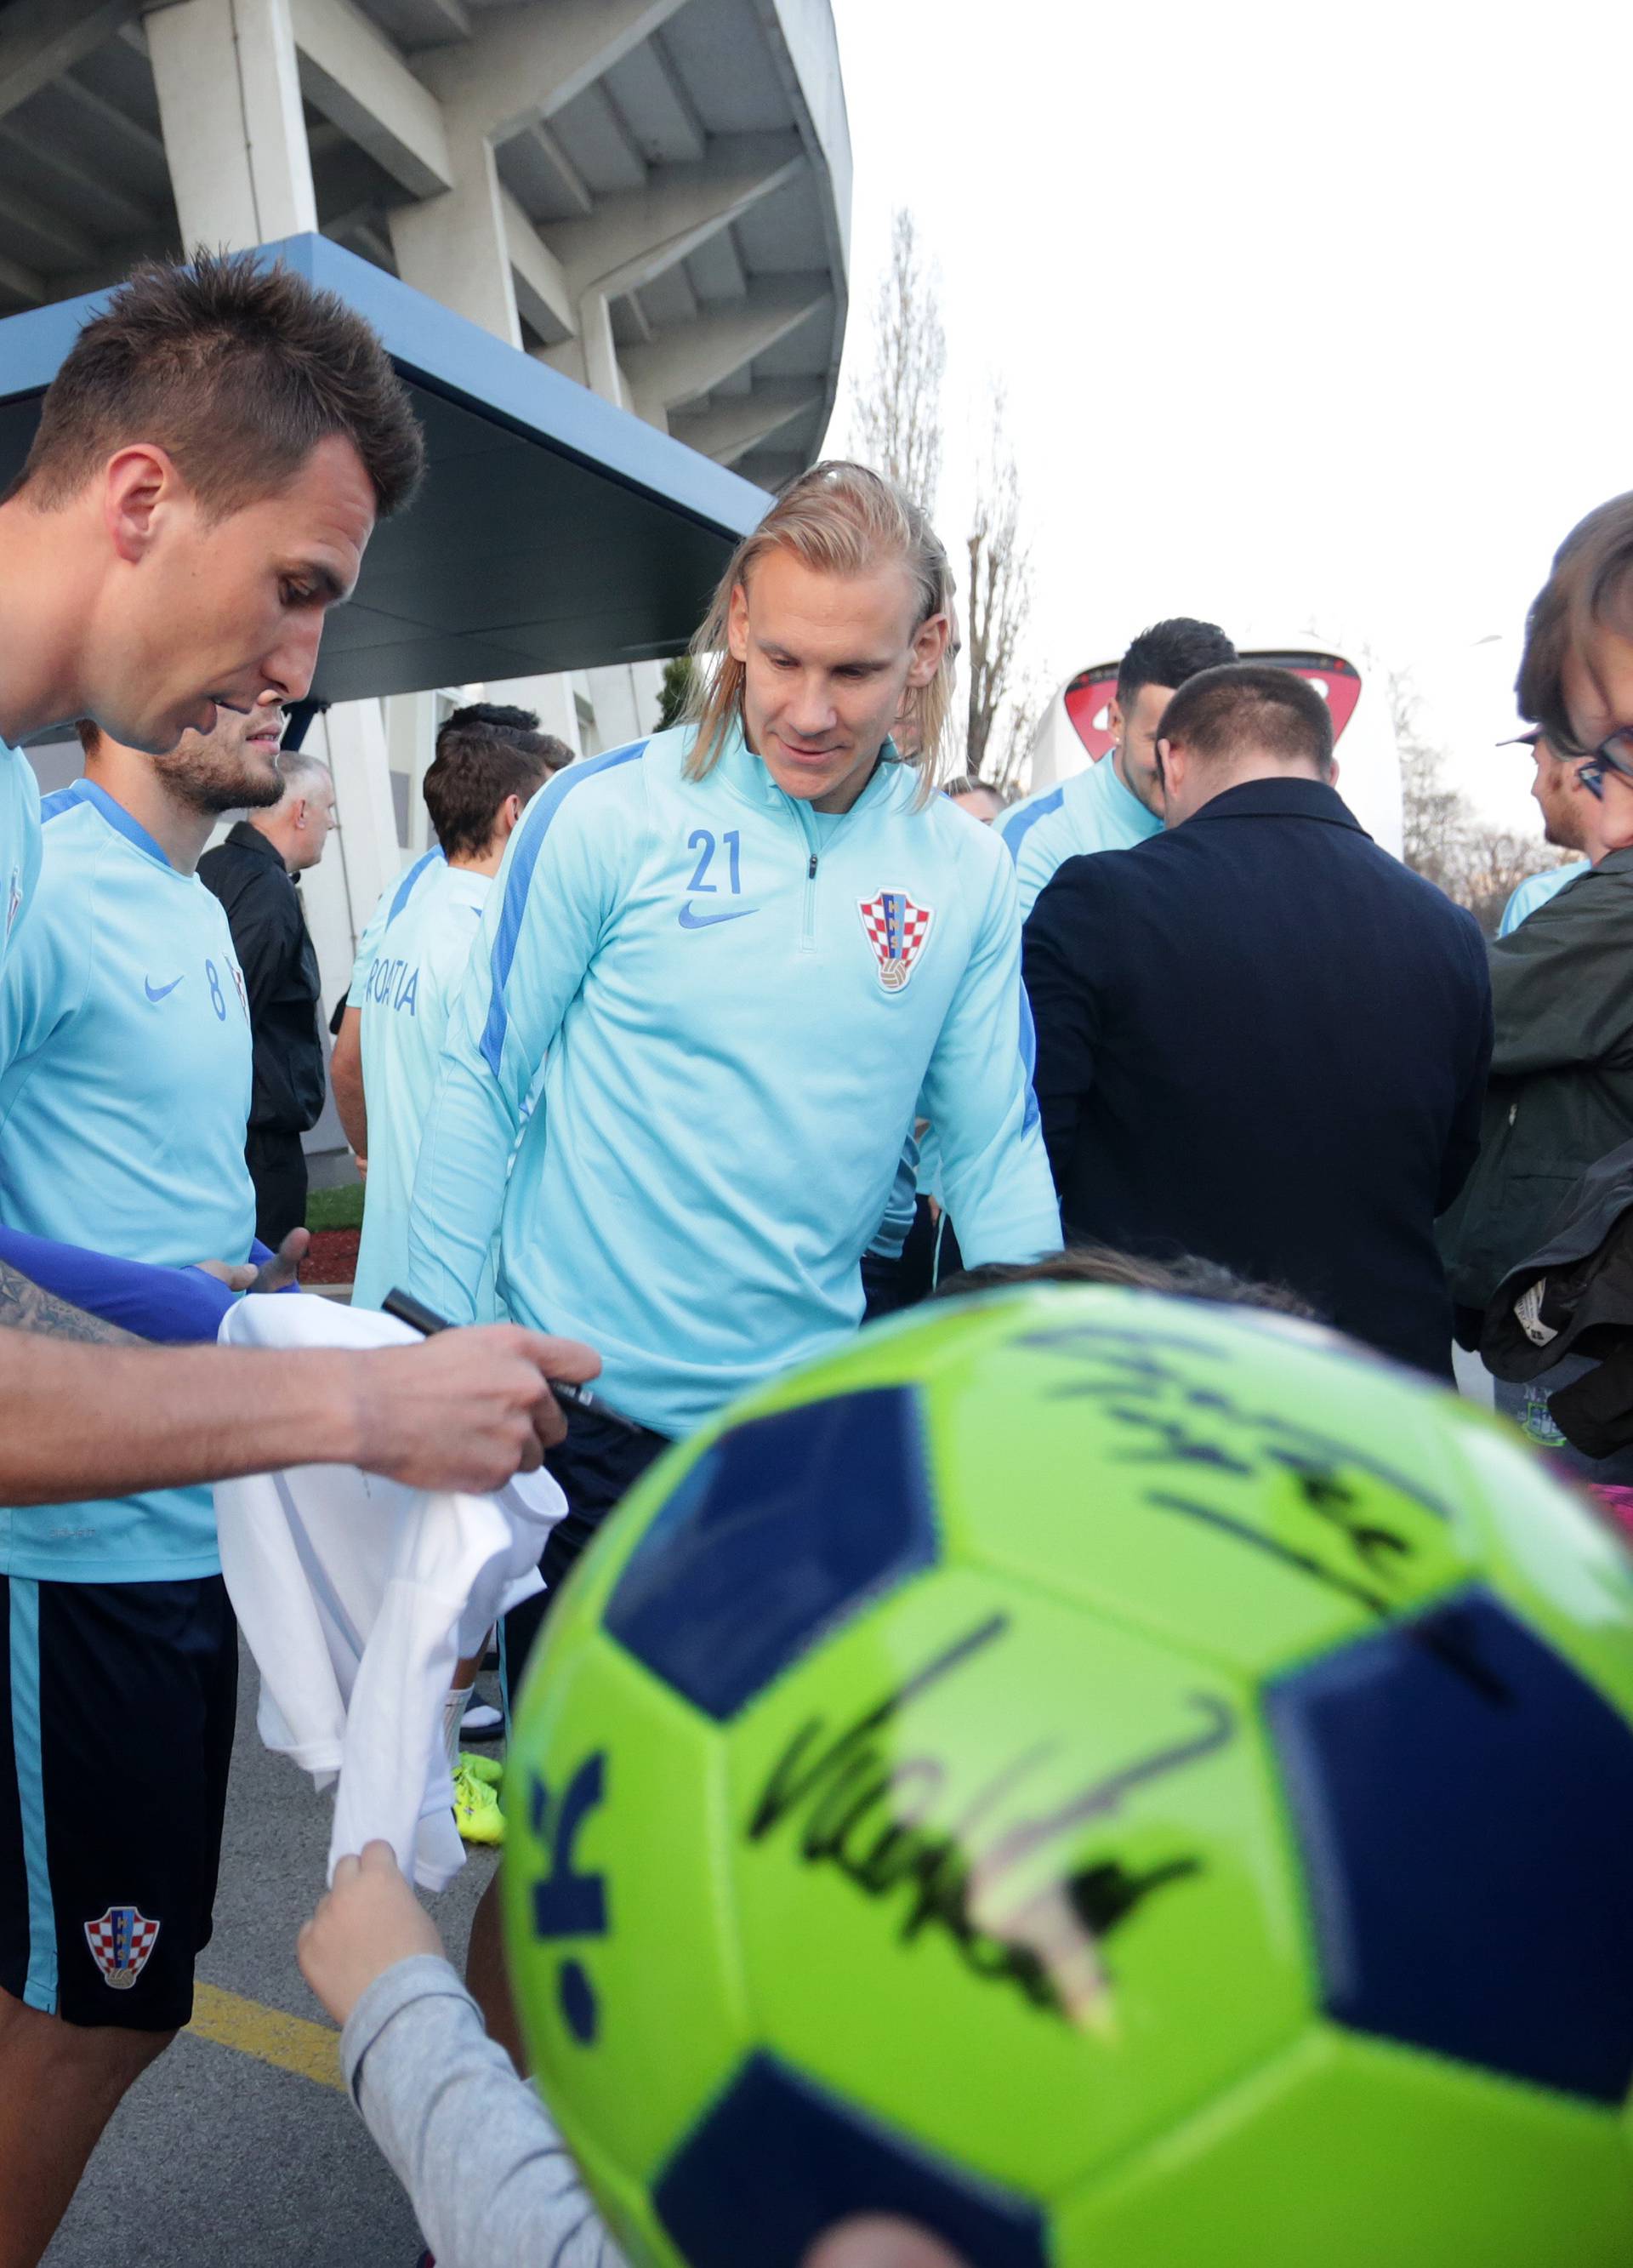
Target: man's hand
466,1410
275,1275
368,1922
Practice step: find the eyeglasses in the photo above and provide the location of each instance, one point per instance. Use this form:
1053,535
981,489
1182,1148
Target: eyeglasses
1614,753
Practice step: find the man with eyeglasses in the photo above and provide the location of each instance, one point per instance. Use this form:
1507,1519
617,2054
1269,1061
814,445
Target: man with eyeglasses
1560,1091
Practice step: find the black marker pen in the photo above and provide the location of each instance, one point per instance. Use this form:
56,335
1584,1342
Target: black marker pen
419,1317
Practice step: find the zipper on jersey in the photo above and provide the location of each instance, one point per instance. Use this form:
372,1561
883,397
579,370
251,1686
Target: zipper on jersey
812,844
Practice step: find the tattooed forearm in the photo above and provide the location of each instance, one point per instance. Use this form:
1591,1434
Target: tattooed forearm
24,1306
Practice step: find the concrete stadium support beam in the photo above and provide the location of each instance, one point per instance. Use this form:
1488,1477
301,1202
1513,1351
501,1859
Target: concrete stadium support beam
731,428
541,291
678,368
235,137
632,238
351,73
40,40
453,246
527,63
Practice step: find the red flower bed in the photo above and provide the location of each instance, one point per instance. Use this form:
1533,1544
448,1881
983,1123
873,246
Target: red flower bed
333,1258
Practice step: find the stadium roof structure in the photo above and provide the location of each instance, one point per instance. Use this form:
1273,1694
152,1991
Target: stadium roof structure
650,196
554,531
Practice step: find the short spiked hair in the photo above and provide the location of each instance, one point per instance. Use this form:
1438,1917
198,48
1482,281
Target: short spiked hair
237,368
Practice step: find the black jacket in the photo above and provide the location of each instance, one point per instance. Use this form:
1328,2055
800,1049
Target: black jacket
1561,1095
1263,1040
1583,1273
281,973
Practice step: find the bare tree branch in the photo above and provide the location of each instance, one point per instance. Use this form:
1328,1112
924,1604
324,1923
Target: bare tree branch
897,410
999,600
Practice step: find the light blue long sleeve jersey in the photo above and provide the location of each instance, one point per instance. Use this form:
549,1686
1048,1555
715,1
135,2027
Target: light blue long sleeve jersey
19,841
409,969
1536,890
740,1001
124,1093
1091,810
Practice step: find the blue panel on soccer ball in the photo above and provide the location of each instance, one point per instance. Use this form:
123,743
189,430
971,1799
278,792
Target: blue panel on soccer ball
785,1525
779,2160
1464,1800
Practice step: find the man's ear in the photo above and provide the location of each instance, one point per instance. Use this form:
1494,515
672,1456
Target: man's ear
737,623
1113,721
929,643
509,815
139,484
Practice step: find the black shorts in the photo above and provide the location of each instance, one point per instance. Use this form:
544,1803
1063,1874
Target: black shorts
116,1710
596,1465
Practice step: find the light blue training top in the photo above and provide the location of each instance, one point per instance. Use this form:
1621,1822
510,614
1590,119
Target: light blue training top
410,966
19,842
124,1093
1536,890
740,1002
1091,810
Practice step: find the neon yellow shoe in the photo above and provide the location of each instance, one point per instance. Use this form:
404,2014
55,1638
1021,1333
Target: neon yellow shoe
488,1769
477,1812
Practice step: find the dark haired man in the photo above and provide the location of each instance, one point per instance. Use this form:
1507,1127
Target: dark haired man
125,1041
210,463
506,716
501,717
1115,803
1261,1039
410,966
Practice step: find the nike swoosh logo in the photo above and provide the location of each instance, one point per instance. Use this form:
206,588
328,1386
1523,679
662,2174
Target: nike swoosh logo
689,920
163,992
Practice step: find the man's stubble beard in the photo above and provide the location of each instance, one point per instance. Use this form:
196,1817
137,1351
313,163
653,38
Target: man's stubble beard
211,786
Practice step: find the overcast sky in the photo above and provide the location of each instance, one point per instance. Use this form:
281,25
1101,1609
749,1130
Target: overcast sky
1311,316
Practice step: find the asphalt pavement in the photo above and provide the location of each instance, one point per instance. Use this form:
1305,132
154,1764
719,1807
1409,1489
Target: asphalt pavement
218,2156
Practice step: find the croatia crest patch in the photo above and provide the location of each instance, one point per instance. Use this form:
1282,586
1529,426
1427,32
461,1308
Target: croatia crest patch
120,1944
896,929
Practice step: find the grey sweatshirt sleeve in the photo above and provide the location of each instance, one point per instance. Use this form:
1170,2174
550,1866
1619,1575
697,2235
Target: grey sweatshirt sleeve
487,2173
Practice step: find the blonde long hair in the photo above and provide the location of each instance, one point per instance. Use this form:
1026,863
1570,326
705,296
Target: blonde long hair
838,519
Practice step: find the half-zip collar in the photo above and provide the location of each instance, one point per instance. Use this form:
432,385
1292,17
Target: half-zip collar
743,773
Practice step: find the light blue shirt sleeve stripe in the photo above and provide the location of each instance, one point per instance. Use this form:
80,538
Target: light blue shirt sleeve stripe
1012,837
405,888
40,1987
536,826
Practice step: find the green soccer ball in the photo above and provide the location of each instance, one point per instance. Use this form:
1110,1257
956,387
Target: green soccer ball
1124,1783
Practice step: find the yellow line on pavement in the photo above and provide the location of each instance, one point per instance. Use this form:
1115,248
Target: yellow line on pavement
291,2043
